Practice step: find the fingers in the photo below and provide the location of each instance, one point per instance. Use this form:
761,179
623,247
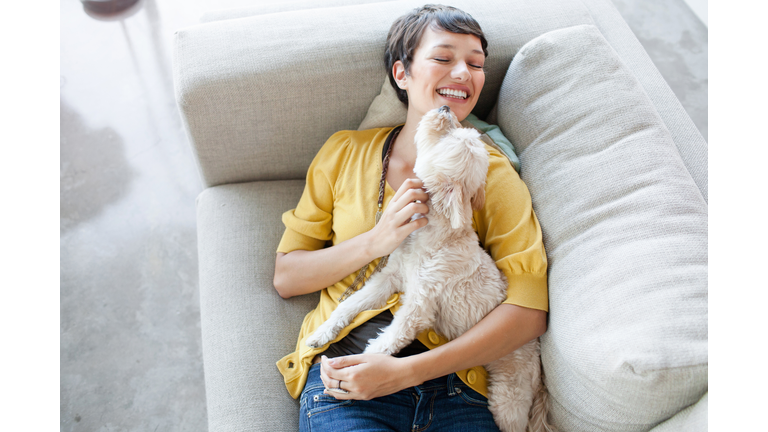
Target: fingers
396,224
408,184
409,200
412,195
404,216
328,374
414,225
324,376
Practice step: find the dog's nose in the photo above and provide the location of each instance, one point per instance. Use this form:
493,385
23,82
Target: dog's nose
445,108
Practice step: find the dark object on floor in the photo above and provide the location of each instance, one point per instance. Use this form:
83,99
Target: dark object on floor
108,6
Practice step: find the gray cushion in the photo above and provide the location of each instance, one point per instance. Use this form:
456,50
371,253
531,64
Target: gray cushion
625,227
246,326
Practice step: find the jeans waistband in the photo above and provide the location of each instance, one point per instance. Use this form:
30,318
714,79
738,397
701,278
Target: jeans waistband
449,382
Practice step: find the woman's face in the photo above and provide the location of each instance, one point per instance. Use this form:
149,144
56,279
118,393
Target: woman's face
447,69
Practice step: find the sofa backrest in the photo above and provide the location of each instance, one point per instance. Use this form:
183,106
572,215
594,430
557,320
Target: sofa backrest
277,7
260,95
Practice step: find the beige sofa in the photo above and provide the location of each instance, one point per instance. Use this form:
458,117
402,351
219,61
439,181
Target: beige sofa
616,169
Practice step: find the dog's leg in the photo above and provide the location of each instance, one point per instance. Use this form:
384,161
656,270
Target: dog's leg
414,316
374,294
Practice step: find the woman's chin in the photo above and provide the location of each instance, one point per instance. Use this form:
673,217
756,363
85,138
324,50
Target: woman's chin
460,107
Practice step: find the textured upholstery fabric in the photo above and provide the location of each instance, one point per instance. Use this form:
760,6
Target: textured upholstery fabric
386,110
625,228
260,95
692,419
690,144
246,326
277,7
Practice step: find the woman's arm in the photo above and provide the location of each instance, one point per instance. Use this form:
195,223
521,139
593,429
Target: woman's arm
367,376
303,272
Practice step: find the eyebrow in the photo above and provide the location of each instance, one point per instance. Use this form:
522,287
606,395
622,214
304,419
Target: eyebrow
453,47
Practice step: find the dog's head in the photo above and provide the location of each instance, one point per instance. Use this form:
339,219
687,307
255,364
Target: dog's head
453,163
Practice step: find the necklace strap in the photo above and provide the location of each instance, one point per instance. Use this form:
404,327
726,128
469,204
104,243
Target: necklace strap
385,164
360,279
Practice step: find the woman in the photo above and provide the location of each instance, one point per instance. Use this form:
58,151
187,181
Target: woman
434,57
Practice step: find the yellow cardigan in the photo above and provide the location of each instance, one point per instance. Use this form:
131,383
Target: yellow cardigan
339,203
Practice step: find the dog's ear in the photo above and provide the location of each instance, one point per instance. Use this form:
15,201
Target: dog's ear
447,199
456,207
479,199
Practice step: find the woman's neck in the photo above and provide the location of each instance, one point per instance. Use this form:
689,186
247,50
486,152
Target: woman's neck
405,144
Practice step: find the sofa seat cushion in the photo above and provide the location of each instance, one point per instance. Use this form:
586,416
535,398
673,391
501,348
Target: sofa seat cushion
625,228
246,326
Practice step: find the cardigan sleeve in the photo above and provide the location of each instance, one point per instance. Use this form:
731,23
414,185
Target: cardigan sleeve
509,230
310,225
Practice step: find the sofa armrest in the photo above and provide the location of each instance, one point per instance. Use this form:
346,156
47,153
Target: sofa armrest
246,327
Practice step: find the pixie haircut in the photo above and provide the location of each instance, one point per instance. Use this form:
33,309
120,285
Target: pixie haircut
406,32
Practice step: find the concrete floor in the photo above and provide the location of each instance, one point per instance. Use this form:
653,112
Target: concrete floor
130,328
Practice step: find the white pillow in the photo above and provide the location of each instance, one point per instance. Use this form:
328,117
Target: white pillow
625,228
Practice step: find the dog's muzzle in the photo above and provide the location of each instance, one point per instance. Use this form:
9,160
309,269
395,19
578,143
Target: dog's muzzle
445,108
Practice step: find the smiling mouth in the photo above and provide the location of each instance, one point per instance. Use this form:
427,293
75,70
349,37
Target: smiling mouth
454,94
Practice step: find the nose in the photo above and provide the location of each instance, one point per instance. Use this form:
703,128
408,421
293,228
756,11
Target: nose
445,108
460,71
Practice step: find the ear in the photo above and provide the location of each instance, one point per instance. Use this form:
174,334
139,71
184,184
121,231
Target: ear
398,71
479,199
456,207
448,200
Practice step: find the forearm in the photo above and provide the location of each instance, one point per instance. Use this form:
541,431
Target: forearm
303,272
505,329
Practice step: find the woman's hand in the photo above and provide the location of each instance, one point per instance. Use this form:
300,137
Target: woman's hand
324,267
396,224
364,376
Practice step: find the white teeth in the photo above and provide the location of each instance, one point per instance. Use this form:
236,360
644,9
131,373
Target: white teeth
458,94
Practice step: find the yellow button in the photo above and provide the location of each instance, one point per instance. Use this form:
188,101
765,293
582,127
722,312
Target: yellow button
394,298
471,376
434,338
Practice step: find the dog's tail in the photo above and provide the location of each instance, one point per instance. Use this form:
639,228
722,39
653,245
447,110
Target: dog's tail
538,421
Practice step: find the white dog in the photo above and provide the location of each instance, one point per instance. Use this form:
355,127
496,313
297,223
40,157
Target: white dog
448,282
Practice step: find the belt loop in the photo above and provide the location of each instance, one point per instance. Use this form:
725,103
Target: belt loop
451,389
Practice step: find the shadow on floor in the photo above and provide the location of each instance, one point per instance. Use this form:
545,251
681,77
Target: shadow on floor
94,171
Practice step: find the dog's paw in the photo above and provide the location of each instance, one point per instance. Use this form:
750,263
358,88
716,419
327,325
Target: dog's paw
318,339
377,346
313,341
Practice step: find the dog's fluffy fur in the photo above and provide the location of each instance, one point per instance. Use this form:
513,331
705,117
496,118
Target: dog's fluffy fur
448,282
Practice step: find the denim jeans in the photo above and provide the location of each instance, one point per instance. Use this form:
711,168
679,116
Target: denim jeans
441,404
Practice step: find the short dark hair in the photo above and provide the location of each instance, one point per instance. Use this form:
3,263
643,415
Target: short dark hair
405,34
